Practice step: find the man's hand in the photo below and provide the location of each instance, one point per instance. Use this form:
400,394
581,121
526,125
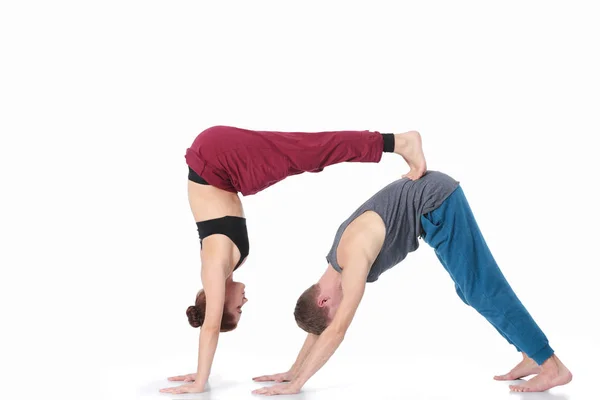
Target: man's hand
189,388
282,377
183,378
283,388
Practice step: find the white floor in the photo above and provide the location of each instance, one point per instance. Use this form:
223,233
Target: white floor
410,378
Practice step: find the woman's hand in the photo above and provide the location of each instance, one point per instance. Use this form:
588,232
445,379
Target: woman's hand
183,378
189,388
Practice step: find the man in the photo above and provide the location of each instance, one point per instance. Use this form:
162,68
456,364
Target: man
380,234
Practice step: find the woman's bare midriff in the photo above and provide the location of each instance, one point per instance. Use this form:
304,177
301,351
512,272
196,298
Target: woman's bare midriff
209,202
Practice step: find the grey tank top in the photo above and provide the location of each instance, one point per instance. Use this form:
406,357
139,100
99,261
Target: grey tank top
400,205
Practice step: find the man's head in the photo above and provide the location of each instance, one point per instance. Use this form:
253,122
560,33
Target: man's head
317,306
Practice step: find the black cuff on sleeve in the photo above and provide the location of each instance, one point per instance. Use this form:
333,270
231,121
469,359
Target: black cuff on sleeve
389,142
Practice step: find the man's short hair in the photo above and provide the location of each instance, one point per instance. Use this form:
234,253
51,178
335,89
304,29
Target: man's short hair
309,316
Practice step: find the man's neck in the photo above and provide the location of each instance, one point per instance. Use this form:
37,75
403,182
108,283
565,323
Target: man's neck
331,277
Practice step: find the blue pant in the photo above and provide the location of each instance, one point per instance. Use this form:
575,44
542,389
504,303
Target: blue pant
459,245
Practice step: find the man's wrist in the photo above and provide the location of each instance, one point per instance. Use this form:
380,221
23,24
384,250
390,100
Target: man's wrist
296,383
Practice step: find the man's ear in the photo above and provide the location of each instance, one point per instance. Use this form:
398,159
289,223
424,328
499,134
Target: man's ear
322,301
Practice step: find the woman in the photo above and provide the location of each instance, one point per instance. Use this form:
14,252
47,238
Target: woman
224,161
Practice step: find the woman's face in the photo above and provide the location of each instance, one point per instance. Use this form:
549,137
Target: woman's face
236,298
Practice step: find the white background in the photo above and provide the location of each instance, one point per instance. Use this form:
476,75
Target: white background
99,254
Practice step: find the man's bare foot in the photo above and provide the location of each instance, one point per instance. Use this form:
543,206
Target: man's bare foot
410,147
525,368
554,373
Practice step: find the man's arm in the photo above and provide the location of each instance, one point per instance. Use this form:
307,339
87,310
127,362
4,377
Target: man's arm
357,256
354,278
304,352
291,373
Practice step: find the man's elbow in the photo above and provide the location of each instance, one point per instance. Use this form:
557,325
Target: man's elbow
339,336
338,332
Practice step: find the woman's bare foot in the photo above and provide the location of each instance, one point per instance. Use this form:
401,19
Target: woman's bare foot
410,147
554,373
525,368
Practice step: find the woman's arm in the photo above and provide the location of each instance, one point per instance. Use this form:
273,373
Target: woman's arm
214,275
213,281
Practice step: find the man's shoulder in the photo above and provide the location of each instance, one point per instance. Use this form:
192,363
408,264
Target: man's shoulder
363,238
